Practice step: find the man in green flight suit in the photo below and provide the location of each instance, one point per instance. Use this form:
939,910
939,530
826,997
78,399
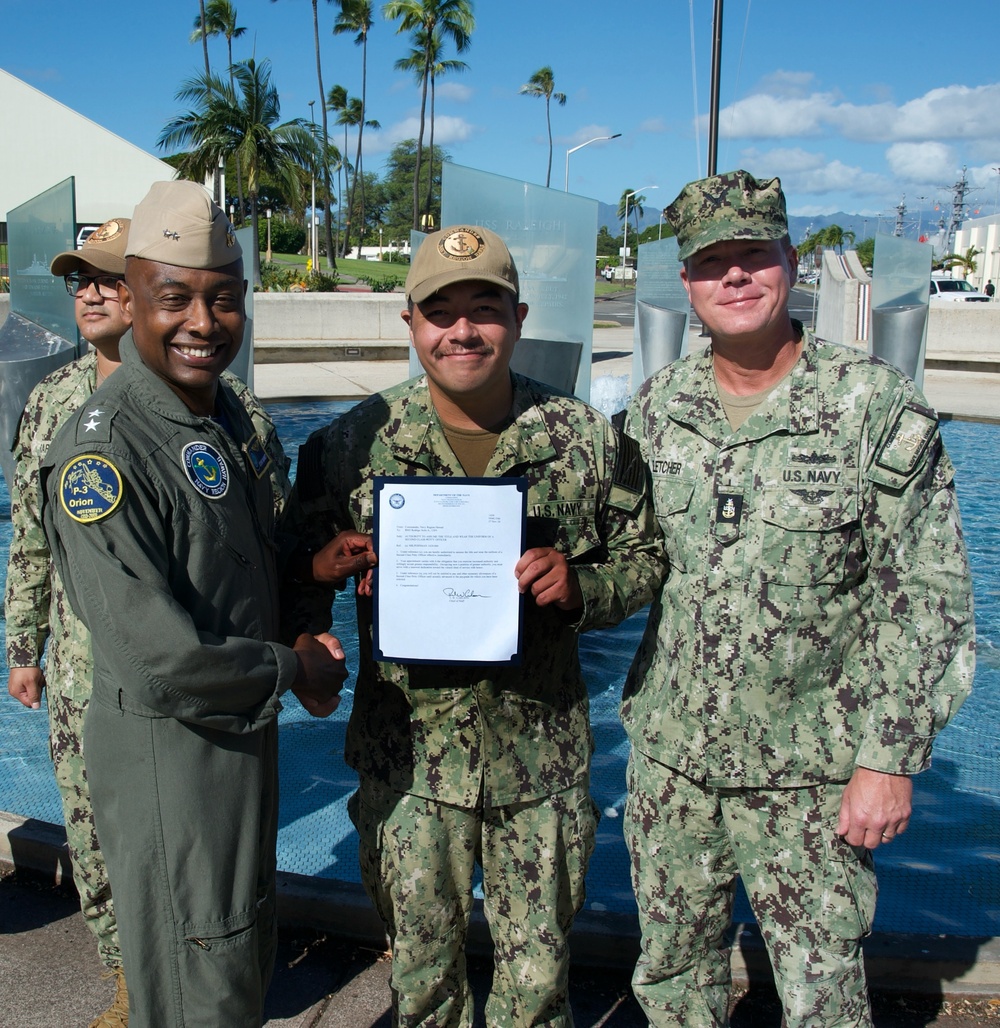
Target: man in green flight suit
35,604
159,513
460,764
814,634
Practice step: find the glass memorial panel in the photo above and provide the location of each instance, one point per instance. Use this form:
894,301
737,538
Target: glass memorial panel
901,273
551,236
662,310
242,366
36,231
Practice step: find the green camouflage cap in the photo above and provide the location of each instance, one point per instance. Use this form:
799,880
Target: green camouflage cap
730,206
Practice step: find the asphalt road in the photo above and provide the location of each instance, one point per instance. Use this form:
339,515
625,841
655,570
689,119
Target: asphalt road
620,307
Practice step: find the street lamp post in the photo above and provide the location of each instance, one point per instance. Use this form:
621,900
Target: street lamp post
596,139
313,248
628,196
268,256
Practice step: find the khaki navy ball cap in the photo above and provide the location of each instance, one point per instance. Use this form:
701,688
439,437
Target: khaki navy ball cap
178,223
725,207
458,254
104,249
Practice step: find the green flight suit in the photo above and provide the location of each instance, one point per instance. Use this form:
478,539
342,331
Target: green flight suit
161,526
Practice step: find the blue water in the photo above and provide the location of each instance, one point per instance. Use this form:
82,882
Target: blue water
941,877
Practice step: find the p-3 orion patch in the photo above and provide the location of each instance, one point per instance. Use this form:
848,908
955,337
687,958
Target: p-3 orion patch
90,488
206,469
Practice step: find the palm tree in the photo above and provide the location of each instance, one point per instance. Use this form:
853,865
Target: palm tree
324,149
218,18
834,235
543,83
351,114
336,100
415,62
966,262
425,19
631,205
356,16
243,121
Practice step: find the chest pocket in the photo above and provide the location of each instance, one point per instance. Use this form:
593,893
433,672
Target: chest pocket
812,539
672,500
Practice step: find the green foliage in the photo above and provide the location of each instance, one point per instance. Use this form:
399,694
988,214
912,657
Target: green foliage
386,284
397,184
832,235
277,279
394,257
965,261
866,252
607,244
286,236
321,283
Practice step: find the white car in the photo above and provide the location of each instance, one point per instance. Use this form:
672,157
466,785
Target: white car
955,290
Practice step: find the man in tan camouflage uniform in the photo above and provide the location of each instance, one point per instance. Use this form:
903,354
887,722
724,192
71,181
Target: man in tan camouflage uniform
35,603
462,764
814,634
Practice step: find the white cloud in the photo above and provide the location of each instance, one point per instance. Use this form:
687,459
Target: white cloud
807,173
453,91
447,130
951,112
921,162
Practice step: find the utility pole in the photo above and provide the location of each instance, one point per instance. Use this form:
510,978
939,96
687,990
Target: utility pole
713,102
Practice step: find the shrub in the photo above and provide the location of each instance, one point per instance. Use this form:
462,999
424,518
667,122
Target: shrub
381,285
275,278
321,283
395,257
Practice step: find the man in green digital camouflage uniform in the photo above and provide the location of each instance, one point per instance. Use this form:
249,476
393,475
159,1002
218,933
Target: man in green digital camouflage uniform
35,604
814,634
159,513
459,763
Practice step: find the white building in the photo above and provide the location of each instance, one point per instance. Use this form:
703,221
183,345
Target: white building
54,142
984,235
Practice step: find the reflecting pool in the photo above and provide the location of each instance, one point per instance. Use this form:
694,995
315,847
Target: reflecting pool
941,877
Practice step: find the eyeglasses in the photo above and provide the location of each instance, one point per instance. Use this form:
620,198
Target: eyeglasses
107,285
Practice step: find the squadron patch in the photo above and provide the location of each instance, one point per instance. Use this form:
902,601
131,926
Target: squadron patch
257,456
914,429
90,488
206,469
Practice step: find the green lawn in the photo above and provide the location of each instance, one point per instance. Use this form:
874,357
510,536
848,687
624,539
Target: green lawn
352,270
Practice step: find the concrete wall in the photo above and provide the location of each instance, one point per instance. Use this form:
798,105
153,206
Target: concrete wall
842,313
970,333
299,317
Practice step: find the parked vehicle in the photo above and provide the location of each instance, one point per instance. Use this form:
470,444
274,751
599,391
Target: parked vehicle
955,290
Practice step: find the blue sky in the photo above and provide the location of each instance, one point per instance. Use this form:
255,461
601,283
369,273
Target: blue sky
854,104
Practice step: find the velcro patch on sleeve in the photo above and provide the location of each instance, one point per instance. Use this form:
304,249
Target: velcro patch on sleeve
93,423
90,488
629,471
906,443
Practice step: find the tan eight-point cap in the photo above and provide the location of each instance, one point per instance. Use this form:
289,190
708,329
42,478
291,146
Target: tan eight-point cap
178,223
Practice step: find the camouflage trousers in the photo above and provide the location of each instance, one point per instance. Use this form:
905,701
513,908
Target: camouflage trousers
417,863
90,873
812,894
